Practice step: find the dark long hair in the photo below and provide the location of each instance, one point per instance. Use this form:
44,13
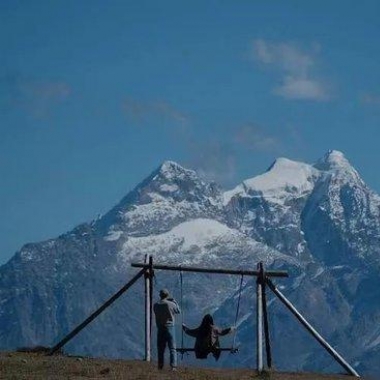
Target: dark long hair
206,323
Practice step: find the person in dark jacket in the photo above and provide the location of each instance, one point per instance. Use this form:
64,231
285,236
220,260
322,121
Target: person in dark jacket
207,337
165,311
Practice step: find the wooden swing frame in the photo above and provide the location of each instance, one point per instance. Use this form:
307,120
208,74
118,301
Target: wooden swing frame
262,327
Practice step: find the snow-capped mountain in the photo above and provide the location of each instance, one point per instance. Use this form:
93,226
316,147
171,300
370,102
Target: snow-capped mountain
320,222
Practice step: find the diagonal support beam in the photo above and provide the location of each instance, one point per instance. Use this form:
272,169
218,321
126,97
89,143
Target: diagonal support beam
96,313
311,329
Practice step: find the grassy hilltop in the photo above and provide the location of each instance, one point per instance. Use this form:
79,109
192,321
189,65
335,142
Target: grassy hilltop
33,366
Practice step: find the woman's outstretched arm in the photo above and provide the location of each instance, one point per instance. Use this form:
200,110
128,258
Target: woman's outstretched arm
226,331
191,332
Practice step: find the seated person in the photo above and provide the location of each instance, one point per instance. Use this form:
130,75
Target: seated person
207,337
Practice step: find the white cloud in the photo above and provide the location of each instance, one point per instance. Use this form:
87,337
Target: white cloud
283,55
301,88
370,99
217,159
253,137
295,67
144,111
214,160
35,97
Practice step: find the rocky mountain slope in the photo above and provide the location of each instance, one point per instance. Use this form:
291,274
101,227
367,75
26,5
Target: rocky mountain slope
320,222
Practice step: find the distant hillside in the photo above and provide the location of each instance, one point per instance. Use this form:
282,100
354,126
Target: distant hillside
40,367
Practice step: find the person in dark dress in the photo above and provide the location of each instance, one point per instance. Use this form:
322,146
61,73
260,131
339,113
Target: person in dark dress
207,337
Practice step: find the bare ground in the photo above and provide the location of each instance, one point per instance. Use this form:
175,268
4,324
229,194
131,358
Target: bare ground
37,366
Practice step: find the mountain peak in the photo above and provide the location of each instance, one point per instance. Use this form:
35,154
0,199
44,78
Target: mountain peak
282,174
333,159
170,169
169,165
282,178
173,180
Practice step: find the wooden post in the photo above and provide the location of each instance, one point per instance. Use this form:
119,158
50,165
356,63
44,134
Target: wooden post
259,325
151,297
106,304
266,320
148,310
311,330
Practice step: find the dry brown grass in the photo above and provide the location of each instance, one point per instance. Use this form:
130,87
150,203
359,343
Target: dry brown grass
34,366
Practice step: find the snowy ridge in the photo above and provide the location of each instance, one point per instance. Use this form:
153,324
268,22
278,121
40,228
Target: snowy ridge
284,174
170,195
283,177
333,160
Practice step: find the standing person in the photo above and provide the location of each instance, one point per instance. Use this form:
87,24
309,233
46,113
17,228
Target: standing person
164,310
207,337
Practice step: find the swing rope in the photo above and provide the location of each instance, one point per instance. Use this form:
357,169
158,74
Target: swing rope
233,349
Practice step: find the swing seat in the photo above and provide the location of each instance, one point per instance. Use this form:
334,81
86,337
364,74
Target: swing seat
232,350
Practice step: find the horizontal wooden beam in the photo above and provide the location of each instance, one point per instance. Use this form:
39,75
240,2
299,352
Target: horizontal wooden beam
268,273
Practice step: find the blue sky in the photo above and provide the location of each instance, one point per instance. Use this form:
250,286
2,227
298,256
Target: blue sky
94,95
